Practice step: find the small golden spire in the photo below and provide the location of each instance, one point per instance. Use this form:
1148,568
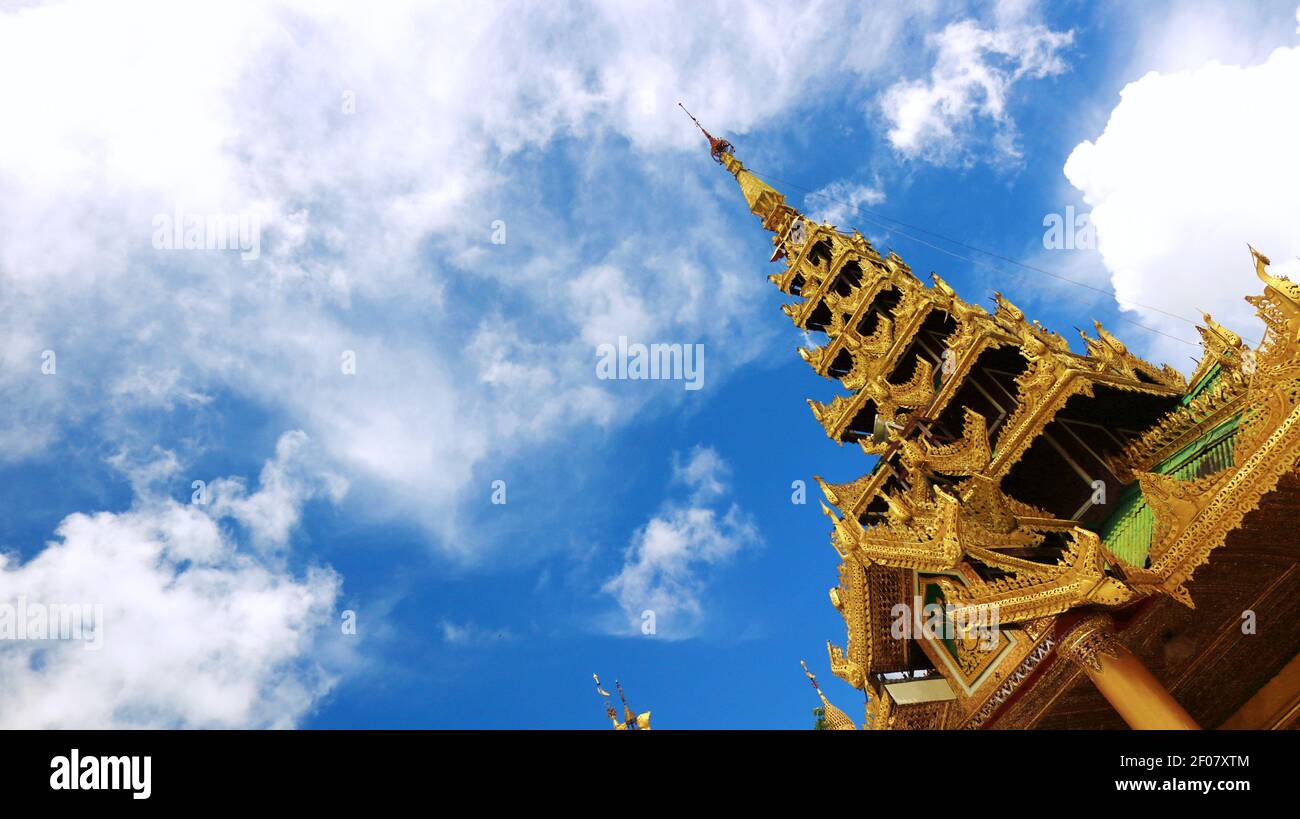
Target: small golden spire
764,201
836,720
637,722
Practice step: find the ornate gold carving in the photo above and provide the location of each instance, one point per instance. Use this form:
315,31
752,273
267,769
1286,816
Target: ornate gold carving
1045,589
1194,517
1013,681
1184,425
968,456
879,711
971,527
1109,354
850,599
918,390
1090,640
930,542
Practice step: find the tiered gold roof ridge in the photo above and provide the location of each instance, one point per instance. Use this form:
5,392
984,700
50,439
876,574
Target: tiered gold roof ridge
937,507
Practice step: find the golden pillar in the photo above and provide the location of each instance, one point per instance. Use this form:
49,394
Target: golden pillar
1121,678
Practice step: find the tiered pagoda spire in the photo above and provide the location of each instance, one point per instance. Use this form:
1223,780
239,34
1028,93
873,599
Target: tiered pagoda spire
1015,478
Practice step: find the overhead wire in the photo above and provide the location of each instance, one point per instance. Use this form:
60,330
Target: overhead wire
876,218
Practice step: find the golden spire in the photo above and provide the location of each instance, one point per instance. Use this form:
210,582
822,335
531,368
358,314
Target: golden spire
761,197
638,722
836,720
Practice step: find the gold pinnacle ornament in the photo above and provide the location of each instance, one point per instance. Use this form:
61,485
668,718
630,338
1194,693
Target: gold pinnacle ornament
629,721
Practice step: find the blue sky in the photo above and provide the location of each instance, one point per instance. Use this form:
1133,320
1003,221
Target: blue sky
378,153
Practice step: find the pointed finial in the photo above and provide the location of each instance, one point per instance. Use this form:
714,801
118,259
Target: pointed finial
717,147
836,720
609,707
811,677
627,709
629,720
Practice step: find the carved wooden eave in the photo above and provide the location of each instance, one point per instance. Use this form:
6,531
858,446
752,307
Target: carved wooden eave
1179,428
998,512
873,354
932,535
970,455
819,284
931,541
1042,590
797,261
835,418
862,348
1195,517
1052,380
1223,348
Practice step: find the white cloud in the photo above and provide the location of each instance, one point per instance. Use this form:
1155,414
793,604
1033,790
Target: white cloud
969,85
838,202
666,566
375,225
272,512
1191,166
470,634
1183,35
704,472
196,632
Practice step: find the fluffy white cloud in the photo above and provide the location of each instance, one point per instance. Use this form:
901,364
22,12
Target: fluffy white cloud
969,83
838,202
1192,166
666,566
195,631
375,147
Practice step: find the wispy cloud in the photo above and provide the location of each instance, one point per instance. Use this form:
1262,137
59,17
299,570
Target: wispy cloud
838,202
968,87
470,634
666,571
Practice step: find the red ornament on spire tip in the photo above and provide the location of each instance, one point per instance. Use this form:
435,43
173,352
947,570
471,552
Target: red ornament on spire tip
717,147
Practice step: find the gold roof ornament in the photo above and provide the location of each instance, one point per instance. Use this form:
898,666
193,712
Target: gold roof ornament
629,721
836,720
